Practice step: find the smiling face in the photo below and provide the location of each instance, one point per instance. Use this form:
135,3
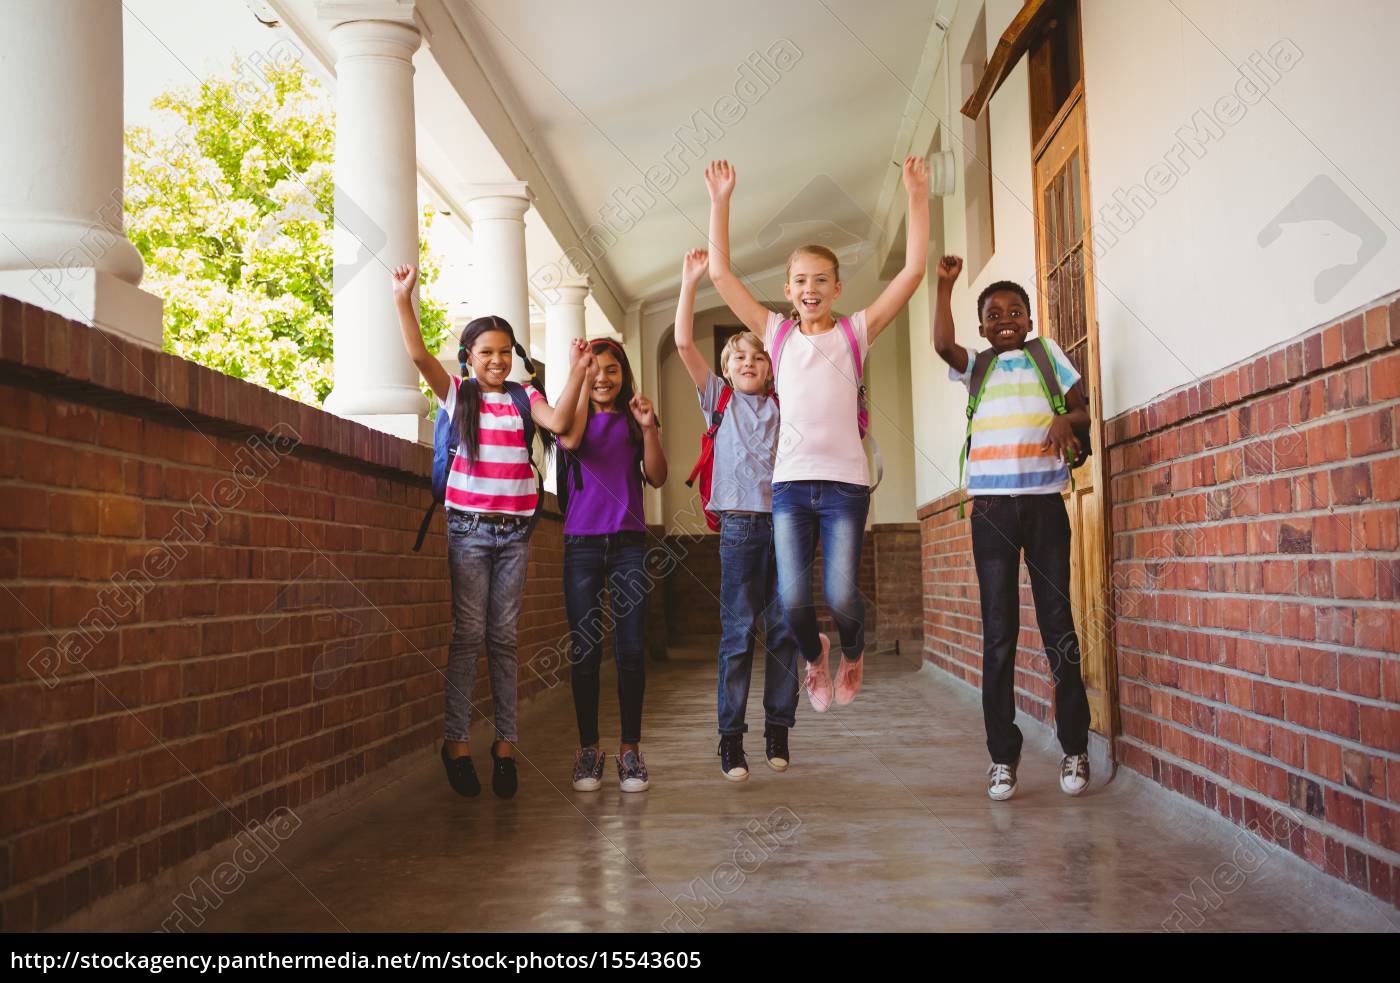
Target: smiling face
813,285
1005,320
607,380
491,357
747,367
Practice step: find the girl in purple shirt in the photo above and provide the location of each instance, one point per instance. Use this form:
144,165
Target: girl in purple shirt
613,445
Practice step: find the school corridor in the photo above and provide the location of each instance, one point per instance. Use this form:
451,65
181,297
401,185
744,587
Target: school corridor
221,656
881,823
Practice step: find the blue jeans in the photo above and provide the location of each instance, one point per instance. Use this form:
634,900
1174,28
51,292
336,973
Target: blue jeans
834,513
747,591
587,561
488,564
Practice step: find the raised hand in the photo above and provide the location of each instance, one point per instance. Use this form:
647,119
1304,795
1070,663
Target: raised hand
695,266
405,279
916,176
719,179
642,411
948,269
577,348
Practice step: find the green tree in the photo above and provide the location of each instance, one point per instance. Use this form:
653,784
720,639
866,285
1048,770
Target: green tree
233,216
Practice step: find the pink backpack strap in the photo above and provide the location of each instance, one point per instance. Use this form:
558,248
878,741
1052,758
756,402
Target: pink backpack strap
850,334
780,338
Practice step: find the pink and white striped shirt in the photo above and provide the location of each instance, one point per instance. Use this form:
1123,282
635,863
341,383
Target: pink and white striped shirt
501,479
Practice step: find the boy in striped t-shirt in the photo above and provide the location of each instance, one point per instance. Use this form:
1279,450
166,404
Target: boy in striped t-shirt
1016,472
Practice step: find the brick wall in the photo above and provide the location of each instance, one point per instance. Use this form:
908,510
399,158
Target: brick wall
1255,571
952,613
212,610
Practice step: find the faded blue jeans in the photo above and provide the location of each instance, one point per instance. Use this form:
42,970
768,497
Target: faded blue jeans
748,592
834,513
488,564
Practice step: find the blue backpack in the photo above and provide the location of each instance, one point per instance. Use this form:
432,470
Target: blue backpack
445,431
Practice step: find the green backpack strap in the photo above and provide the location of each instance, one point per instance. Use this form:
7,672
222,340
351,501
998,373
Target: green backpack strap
976,383
1049,385
1045,371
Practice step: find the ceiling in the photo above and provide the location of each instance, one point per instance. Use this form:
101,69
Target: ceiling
598,91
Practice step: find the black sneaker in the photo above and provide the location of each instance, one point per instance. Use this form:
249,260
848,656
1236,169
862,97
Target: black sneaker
731,757
461,775
775,747
588,769
504,780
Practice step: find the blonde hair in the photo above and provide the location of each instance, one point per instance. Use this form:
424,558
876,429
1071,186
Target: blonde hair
811,249
742,338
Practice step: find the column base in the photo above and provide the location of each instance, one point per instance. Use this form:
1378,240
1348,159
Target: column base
409,426
93,297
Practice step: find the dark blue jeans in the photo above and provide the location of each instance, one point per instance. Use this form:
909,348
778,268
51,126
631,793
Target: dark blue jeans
748,592
588,560
1002,526
834,513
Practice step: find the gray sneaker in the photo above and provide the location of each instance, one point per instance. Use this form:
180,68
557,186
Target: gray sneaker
1001,781
588,769
1074,773
632,772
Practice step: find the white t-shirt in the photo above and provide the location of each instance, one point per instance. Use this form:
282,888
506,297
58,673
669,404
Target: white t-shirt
819,439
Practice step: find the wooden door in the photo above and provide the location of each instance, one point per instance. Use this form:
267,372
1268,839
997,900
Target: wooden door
1065,285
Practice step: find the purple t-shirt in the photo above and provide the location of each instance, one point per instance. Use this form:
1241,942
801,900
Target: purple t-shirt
611,497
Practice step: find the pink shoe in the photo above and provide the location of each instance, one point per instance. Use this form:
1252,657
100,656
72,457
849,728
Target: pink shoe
848,679
818,679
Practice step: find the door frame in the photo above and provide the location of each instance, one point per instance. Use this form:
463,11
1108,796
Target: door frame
1075,102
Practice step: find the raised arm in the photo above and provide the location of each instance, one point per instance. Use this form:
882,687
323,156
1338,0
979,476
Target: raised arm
719,179
653,456
892,299
571,437
692,270
405,278
945,341
560,418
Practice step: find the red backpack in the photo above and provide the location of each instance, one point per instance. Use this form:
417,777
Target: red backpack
705,466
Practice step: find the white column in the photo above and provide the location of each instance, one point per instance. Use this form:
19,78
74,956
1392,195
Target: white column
563,322
499,287
62,244
376,222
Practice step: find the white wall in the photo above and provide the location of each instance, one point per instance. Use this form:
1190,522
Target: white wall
1189,288
938,404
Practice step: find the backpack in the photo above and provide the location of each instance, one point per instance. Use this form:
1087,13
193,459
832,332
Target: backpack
705,466
862,404
445,432
1044,366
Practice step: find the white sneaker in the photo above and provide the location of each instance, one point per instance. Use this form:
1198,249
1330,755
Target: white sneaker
1001,782
1074,773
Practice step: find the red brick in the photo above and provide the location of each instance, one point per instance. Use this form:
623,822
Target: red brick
1385,377
1376,329
1371,433
1353,338
1340,716
1380,727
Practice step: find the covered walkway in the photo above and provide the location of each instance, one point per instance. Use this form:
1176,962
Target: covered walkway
881,824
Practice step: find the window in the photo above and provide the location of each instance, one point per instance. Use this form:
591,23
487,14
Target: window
1055,66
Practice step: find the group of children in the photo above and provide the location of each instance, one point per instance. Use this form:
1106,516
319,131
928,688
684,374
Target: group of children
787,415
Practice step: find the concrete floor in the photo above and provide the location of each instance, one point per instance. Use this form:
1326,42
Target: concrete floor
882,823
